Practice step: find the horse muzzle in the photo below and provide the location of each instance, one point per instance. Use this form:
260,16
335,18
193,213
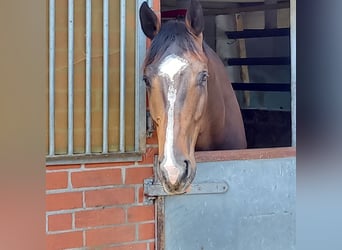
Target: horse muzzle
176,178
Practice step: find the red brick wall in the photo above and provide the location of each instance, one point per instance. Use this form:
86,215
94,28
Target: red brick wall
100,206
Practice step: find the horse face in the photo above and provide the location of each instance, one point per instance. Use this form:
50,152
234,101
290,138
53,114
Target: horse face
177,91
176,83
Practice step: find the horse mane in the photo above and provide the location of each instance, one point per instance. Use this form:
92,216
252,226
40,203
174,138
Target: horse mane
173,31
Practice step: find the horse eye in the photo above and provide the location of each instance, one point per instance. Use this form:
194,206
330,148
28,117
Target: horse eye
203,78
147,82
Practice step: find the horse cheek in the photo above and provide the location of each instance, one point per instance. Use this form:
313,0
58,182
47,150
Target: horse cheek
200,107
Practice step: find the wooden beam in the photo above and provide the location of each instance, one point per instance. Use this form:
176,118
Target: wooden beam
246,8
259,61
274,87
242,53
246,154
253,33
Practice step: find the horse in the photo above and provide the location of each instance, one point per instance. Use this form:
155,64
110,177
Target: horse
191,100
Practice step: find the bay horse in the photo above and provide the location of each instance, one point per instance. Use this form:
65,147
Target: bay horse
191,100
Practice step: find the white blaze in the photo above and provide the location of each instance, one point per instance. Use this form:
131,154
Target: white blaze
170,66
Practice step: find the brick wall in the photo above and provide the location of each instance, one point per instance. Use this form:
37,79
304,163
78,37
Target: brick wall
100,206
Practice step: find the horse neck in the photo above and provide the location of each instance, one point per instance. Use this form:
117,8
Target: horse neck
223,127
219,87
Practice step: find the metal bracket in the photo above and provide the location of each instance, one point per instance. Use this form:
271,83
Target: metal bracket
153,190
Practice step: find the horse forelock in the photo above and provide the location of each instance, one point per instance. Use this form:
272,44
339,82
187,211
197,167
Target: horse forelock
173,33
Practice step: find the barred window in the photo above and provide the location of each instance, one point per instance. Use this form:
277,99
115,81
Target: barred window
95,95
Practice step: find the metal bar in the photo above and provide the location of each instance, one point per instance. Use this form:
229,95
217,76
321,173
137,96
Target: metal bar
159,209
156,189
159,233
70,76
88,79
253,33
105,76
280,87
137,79
140,105
52,77
293,68
259,61
122,72
92,158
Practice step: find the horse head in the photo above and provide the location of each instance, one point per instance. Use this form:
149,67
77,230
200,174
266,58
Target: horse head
175,72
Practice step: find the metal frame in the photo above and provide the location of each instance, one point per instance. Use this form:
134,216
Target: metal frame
122,73
51,77
88,78
70,77
105,76
140,102
293,68
140,91
93,158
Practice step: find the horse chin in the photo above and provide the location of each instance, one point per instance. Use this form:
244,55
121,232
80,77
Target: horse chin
174,191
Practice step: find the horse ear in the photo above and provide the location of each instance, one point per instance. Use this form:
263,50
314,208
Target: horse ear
150,23
194,19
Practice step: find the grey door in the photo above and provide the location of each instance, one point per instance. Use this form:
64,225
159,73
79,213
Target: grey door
257,211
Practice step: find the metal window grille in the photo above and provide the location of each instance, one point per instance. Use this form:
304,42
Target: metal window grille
124,127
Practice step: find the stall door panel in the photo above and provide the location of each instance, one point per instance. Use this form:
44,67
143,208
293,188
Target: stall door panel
257,211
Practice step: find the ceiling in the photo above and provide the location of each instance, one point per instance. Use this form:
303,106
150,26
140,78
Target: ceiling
170,2
206,2
212,7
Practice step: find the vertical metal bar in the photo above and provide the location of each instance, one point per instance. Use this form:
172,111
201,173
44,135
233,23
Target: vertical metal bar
137,79
52,77
70,76
140,104
105,77
159,212
122,72
88,79
293,68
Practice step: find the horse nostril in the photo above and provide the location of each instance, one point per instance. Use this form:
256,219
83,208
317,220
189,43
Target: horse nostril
186,164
